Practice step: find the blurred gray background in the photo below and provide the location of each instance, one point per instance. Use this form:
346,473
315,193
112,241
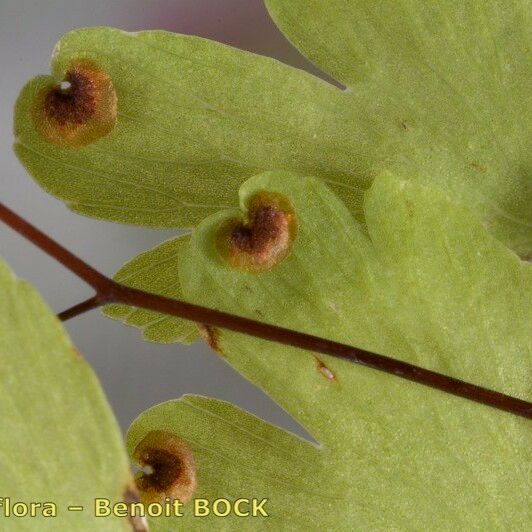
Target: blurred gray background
134,374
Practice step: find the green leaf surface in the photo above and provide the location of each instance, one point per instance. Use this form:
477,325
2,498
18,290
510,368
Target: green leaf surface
240,456
454,76
155,271
59,441
195,118
427,284
436,92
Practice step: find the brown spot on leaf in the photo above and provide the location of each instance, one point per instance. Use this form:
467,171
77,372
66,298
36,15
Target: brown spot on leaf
264,239
172,465
403,125
211,335
409,208
324,370
137,522
479,167
75,115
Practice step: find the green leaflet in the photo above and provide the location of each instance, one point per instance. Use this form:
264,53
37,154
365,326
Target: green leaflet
429,286
188,131
454,76
155,271
240,456
59,441
437,93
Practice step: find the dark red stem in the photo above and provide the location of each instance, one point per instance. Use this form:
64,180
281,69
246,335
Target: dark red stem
80,308
109,291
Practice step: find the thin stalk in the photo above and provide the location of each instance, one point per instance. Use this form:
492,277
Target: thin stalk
80,308
109,291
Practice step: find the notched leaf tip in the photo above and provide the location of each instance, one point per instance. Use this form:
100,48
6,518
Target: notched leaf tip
173,469
79,110
264,239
